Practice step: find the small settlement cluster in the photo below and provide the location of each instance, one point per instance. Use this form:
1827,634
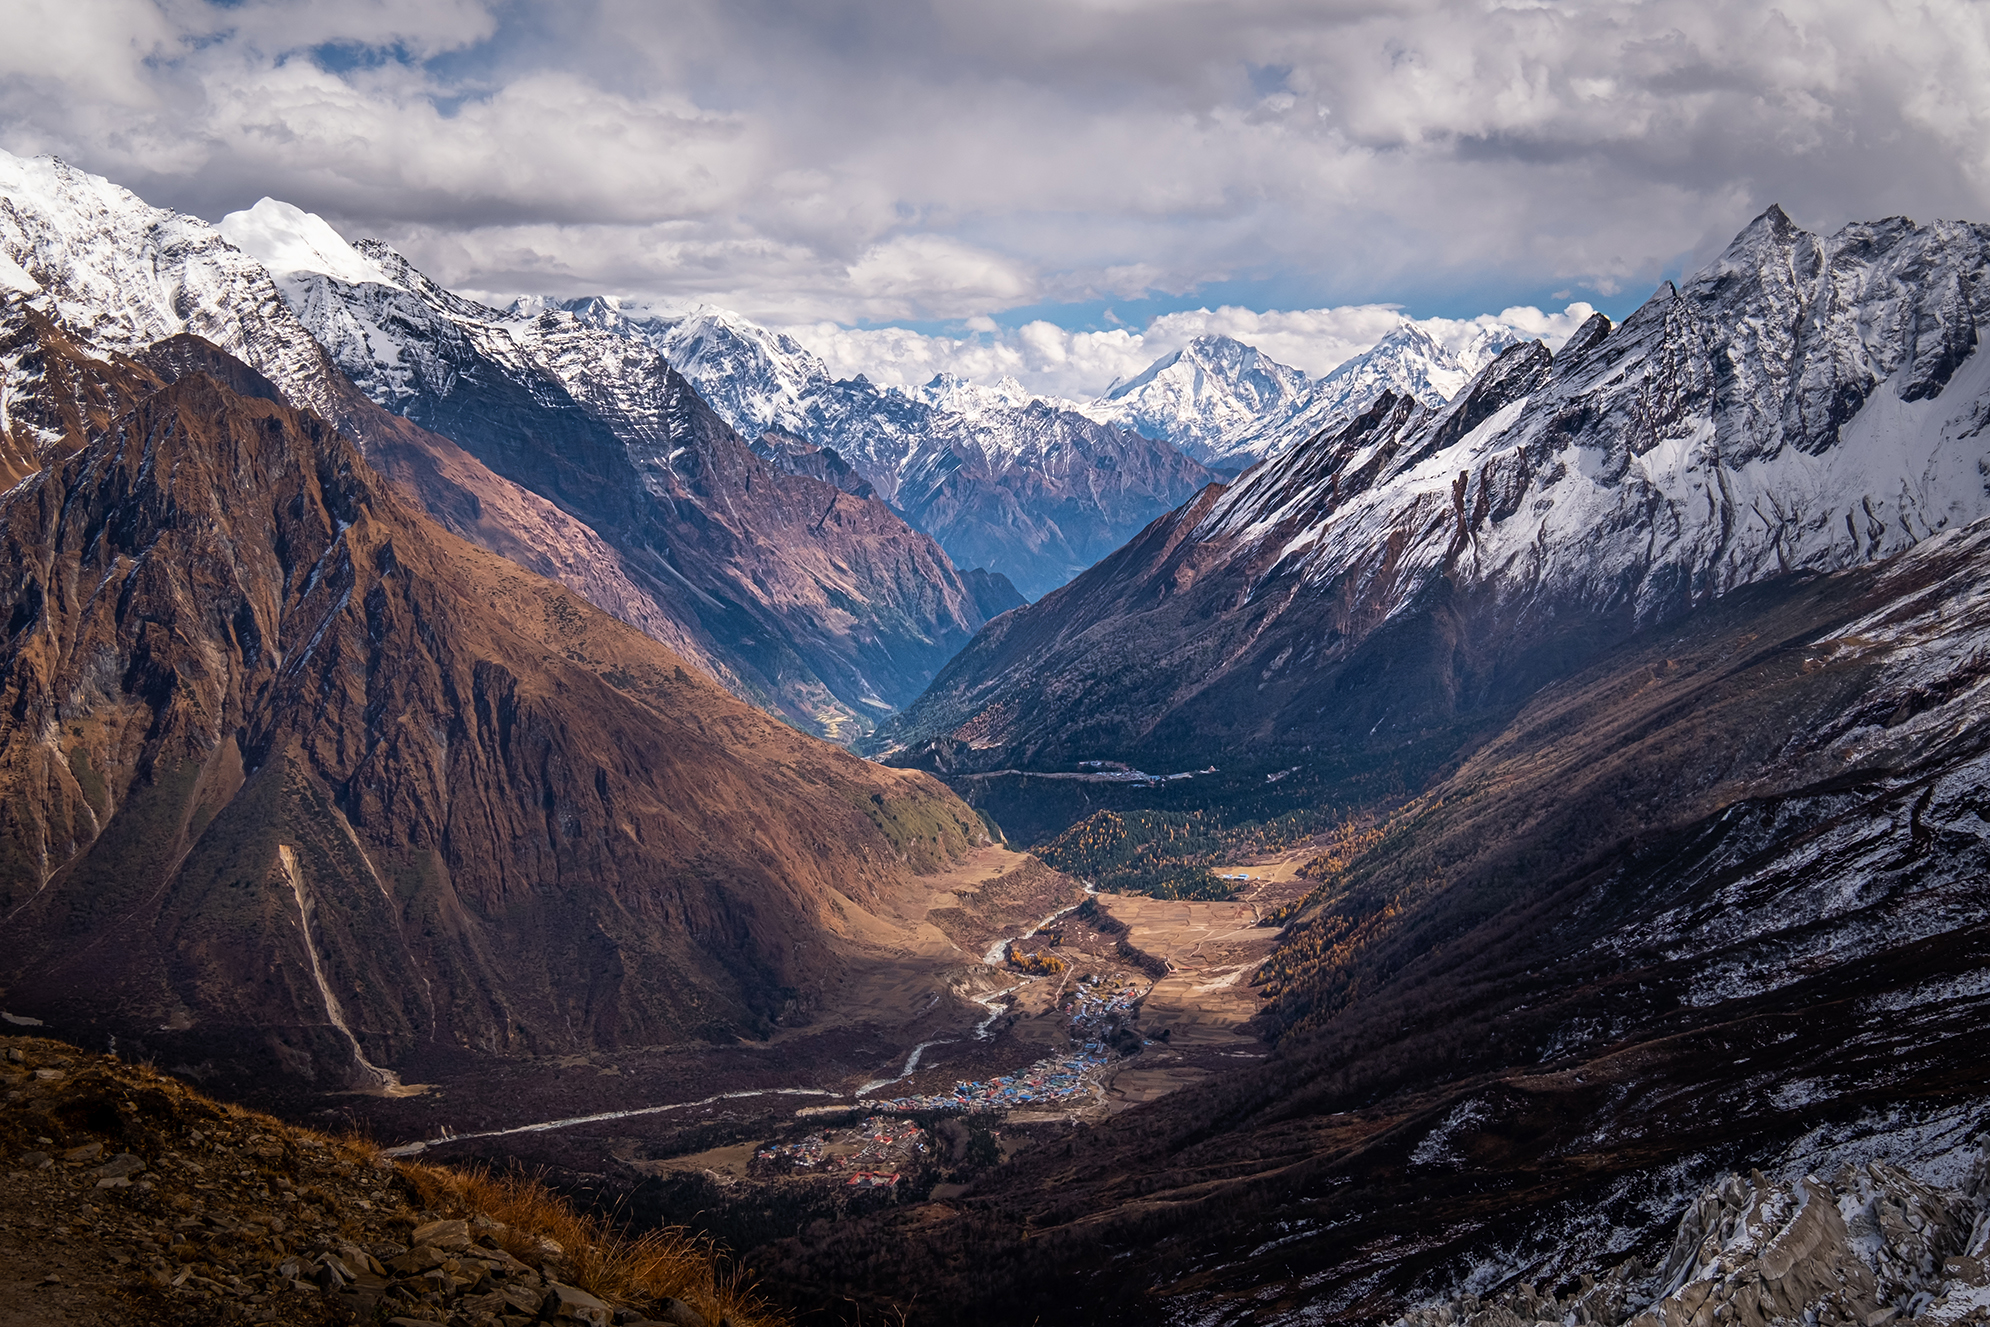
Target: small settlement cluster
871,1155
1093,1007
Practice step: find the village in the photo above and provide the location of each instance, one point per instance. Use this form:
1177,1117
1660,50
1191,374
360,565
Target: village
1034,1003
1098,1008
871,1156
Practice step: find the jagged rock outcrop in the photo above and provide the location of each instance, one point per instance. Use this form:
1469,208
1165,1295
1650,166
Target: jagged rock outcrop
1871,1246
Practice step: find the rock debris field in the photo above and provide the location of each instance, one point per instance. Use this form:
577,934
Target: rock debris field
1870,1247
126,1197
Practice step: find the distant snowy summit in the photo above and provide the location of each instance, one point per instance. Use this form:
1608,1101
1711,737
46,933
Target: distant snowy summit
1205,396
1230,405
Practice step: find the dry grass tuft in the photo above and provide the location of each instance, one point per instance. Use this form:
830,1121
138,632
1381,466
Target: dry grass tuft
672,1262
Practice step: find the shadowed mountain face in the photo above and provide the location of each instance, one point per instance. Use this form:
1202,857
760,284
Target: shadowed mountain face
1029,489
1057,494
1388,592
294,778
1715,902
821,603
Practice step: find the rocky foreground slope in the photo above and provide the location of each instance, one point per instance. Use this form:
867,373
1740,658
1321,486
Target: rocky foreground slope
1869,1245
129,1198
293,780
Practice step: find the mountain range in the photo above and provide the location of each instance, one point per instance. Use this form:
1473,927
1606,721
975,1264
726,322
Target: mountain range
820,605
1031,489
393,684
1230,405
1789,411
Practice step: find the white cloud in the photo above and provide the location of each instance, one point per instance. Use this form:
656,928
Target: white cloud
944,158
1080,366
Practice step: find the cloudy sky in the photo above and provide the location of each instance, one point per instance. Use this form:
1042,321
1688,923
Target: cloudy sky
1056,188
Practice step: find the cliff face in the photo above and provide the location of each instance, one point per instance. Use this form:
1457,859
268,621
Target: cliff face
293,777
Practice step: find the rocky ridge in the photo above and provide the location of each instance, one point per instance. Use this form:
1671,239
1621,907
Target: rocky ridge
1804,404
166,1207
1869,1247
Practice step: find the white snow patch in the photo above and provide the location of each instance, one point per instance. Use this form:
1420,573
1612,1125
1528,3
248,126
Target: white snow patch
288,241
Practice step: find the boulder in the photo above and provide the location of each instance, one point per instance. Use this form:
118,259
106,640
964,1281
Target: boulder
415,1261
119,1166
443,1235
565,1303
677,1312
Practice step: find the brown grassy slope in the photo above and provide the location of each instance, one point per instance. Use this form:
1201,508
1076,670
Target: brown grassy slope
518,825
226,1215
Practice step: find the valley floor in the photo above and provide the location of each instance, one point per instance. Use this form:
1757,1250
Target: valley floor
932,1004
936,1059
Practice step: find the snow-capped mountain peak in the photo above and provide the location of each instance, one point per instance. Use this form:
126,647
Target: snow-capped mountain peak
1409,362
971,400
1203,394
291,242
756,378
121,274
